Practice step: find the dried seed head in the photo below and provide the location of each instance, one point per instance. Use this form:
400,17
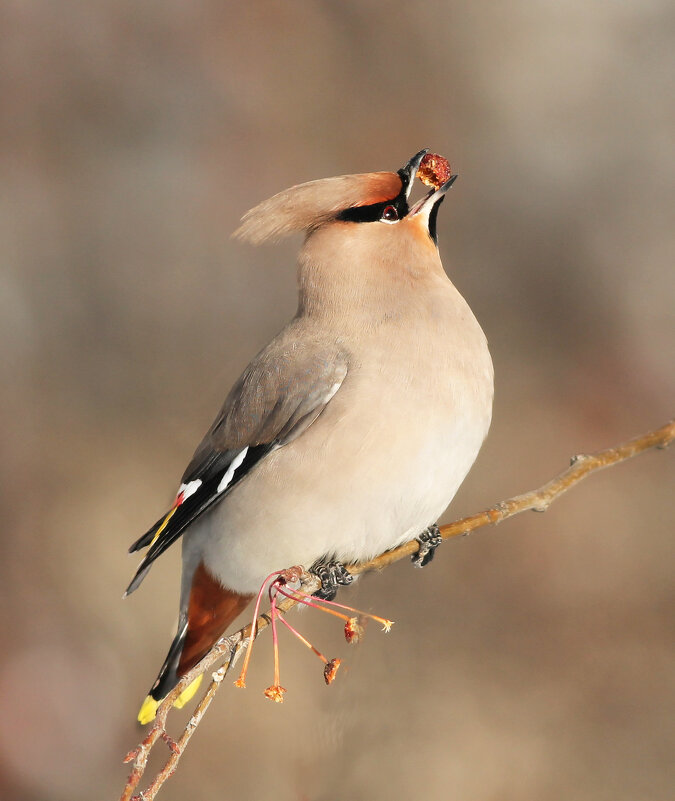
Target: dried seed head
291,574
434,170
331,669
354,630
275,693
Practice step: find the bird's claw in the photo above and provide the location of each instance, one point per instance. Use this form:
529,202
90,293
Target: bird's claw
332,575
429,540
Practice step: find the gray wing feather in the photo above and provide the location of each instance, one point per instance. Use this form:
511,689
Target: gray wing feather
280,394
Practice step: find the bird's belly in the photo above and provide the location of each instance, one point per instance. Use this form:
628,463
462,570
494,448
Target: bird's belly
349,487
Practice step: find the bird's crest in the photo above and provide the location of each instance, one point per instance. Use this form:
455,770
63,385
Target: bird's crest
306,206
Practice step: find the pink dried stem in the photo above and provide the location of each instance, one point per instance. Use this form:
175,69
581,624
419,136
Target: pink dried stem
311,600
302,639
241,681
275,638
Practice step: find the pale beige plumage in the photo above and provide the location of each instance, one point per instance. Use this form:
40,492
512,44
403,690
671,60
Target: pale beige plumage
306,206
361,418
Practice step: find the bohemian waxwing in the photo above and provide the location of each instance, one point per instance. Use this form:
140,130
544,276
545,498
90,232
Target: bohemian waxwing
347,435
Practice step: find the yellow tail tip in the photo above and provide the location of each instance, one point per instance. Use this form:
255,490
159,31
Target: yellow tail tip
148,710
149,707
188,692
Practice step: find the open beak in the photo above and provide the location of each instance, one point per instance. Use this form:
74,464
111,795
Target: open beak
427,203
408,172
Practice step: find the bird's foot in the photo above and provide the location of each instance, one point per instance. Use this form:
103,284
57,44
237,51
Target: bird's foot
429,540
332,575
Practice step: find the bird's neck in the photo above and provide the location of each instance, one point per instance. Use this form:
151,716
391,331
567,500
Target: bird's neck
361,286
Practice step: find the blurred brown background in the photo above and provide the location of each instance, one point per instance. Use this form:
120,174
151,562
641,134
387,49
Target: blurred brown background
534,661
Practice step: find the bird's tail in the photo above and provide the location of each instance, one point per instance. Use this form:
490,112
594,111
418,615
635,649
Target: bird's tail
167,679
211,609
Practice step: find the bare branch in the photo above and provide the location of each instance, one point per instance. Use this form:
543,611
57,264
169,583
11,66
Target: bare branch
537,500
231,647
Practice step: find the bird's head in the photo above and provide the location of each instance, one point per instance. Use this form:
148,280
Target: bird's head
365,242
359,206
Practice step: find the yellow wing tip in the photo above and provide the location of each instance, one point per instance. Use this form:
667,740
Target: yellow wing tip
188,692
149,707
163,526
148,710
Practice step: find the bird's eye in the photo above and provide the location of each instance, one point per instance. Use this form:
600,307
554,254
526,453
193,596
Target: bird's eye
389,214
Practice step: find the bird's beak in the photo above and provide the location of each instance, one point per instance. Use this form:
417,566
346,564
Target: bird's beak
409,171
427,203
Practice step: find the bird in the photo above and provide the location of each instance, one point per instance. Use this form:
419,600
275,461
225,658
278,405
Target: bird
351,431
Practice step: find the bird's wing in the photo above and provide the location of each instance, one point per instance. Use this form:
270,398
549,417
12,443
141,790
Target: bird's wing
279,395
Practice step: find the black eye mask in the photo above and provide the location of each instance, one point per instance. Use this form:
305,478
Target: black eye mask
374,212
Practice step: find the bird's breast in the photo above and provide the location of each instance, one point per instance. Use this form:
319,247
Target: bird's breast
381,462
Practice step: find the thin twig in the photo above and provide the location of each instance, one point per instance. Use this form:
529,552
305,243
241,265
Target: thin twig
231,647
537,500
